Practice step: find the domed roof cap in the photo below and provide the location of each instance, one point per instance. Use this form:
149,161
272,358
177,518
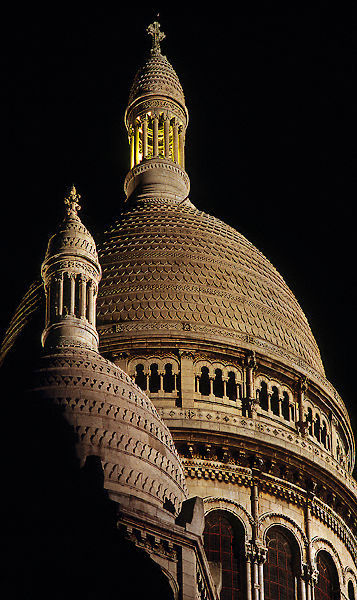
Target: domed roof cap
156,76
115,420
72,236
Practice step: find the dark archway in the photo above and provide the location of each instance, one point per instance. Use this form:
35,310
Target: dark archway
224,543
281,569
327,586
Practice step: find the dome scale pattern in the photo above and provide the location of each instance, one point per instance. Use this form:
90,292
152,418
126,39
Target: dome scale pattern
171,269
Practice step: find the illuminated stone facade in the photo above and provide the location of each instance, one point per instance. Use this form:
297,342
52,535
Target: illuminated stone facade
209,330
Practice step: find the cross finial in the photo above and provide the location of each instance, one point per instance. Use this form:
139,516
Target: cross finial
157,36
72,201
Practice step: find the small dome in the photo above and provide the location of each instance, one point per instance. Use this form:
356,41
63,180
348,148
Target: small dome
113,419
72,237
157,77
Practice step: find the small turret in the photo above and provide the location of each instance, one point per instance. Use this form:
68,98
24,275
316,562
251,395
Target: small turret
156,120
71,273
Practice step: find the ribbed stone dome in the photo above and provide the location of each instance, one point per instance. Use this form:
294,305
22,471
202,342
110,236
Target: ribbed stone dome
112,418
170,270
158,77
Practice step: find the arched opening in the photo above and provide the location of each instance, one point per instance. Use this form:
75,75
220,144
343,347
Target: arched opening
351,591
218,389
324,434
281,569
285,406
224,543
231,386
327,586
168,379
309,420
263,396
154,380
274,401
317,427
140,377
204,385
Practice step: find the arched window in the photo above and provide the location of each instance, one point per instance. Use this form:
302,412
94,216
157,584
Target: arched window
154,380
224,543
204,385
274,401
285,406
327,587
282,566
351,591
309,420
317,427
218,384
324,434
231,386
263,396
140,377
168,379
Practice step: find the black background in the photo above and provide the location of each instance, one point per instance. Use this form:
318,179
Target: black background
271,143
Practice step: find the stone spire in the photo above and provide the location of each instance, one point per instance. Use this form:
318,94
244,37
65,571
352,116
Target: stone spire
71,273
156,119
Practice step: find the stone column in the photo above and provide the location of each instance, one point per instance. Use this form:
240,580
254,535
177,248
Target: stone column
309,567
249,577
182,147
137,147
60,294
155,134
250,365
262,555
256,579
302,588
167,137
175,142
211,379
91,304
225,397
161,376
187,379
132,153
72,305
301,423
47,295
82,297
144,140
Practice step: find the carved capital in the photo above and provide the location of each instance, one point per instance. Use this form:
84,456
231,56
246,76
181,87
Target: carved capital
187,354
256,552
249,361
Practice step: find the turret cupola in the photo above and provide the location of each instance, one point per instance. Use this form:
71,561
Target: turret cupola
71,273
156,120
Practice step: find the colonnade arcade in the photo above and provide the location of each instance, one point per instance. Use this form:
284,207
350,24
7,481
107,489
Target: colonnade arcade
245,390
274,568
157,135
73,294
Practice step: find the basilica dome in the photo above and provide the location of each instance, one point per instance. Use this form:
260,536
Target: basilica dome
169,268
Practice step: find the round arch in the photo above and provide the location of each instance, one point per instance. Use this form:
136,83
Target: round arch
233,507
224,542
322,544
269,520
283,565
327,585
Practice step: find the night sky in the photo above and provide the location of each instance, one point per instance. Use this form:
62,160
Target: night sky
270,148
